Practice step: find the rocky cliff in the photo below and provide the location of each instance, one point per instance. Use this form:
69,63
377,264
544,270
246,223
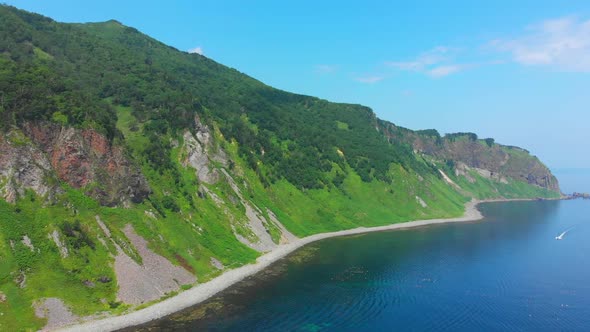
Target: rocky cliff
130,170
23,166
464,152
43,154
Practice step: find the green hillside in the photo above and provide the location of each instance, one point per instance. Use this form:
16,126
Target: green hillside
102,127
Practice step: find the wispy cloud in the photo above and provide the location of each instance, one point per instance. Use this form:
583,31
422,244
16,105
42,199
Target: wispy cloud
562,43
198,50
442,71
326,69
436,63
422,61
369,79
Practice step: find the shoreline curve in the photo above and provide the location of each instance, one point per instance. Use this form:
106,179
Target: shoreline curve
202,292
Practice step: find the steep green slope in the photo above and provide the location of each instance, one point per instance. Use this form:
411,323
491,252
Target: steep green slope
164,87
103,128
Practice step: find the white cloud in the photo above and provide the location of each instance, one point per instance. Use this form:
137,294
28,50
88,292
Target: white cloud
369,79
437,62
424,60
562,43
326,69
442,71
198,50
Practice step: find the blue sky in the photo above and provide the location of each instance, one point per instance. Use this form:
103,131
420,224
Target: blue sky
518,71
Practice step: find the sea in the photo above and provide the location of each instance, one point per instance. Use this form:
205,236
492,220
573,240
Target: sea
507,272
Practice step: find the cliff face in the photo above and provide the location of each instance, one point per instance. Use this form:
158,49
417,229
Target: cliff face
23,166
44,153
466,151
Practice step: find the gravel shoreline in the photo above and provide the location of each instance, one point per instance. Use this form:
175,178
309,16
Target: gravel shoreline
204,291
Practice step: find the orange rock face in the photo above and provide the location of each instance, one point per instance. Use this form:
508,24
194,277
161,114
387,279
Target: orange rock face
84,158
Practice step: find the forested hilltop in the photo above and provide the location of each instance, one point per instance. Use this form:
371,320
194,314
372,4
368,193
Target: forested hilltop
130,170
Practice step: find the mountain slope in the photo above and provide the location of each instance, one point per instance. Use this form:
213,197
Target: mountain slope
121,155
463,154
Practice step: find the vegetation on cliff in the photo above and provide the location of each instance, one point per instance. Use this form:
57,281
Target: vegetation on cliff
103,127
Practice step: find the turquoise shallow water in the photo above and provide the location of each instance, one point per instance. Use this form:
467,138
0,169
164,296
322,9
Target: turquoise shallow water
505,273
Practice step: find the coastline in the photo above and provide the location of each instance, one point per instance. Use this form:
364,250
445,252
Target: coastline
204,291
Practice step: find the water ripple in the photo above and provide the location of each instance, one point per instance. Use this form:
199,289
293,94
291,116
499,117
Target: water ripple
506,273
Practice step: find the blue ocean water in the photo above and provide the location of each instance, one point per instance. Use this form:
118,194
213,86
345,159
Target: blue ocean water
504,273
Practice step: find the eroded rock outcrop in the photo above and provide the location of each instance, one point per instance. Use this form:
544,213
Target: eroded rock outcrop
23,166
86,159
468,153
209,162
498,162
200,153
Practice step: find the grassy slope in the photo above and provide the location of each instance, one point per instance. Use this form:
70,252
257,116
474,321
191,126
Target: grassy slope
201,229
